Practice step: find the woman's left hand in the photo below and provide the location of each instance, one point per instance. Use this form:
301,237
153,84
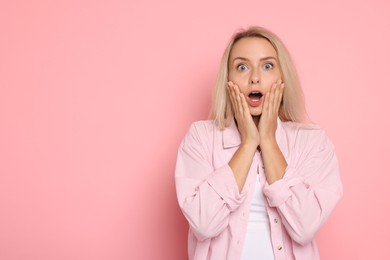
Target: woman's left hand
270,111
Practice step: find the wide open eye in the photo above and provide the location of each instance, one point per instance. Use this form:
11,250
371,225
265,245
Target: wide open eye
268,66
242,67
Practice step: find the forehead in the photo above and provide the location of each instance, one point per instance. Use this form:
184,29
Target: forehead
252,48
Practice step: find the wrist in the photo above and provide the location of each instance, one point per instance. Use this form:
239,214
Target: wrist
249,146
268,143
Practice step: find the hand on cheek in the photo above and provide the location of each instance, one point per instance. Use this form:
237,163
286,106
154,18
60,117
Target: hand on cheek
248,130
270,111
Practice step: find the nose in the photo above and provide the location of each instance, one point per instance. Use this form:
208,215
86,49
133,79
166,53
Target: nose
255,79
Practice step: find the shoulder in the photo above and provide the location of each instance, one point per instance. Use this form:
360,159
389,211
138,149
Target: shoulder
199,138
303,130
200,131
306,135
203,126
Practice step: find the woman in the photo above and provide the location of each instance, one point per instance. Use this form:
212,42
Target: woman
257,181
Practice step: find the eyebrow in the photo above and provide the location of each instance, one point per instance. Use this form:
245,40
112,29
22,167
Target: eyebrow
262,59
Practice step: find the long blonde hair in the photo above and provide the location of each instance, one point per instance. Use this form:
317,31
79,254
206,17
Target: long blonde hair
293,103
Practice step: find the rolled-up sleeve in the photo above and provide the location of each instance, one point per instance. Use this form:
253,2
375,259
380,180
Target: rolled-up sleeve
206,196
309,190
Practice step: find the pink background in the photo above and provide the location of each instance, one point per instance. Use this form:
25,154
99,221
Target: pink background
95,97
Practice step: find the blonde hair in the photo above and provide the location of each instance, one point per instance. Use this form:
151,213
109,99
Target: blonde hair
292,107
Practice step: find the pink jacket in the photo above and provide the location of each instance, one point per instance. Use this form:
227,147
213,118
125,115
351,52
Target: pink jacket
217,213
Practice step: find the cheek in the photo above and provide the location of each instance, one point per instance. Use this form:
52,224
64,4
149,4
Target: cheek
268,86
269,81
232,76
239,79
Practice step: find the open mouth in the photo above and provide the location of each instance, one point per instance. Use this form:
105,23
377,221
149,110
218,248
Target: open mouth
254,98
255,95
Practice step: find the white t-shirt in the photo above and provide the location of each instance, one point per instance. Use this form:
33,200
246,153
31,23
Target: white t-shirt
258,245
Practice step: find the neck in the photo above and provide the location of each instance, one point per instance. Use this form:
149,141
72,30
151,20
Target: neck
256,119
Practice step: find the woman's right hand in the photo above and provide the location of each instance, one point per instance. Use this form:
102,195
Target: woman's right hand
250,137
248,129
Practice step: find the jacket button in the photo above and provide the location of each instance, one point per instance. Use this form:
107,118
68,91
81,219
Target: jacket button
276,220
280,248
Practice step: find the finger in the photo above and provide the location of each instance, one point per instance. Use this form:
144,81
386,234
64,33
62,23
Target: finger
280,97
265,109
269,101
233,101
277,90
229,92
244,105
237,95
273,96
235,98
275,104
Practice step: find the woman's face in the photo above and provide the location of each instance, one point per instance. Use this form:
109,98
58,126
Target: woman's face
254,67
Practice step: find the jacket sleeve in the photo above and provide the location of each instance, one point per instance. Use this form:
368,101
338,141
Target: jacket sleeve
206,196
309,190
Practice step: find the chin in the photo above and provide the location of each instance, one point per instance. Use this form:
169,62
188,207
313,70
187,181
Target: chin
256,112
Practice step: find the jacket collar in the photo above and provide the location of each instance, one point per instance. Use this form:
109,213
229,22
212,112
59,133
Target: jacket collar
231,136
